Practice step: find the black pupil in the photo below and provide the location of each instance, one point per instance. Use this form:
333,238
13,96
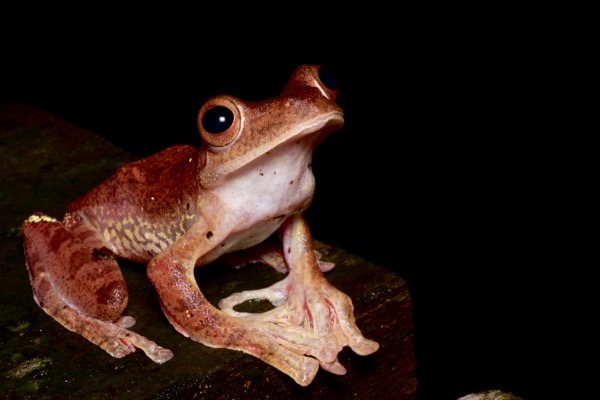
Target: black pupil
217,119
328,78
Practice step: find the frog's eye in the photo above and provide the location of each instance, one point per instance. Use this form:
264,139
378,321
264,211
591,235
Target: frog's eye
328,78
219,121
324,79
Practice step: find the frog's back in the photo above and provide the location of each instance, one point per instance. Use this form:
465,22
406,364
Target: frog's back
132,182
157,163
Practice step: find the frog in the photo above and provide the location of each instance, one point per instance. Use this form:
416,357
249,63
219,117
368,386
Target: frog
241,194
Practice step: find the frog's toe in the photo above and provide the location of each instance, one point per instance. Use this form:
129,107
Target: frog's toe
346,330
126,321
364,347
334,367
300,368
155,352
282,348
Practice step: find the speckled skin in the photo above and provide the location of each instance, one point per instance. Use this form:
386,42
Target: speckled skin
184,207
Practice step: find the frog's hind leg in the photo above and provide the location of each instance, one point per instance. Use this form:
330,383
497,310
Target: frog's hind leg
81,286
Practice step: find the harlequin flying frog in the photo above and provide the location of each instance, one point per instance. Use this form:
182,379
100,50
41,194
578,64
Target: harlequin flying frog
185,207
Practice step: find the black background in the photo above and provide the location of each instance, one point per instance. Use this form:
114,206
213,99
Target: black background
440,173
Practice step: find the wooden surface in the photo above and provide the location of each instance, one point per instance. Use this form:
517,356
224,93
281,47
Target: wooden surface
45,163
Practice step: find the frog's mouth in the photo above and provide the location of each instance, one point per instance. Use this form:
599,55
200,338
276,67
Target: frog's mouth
310,134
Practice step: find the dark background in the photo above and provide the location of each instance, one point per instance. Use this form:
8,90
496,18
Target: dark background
441,172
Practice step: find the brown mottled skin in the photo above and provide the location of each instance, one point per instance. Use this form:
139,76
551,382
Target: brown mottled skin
185,207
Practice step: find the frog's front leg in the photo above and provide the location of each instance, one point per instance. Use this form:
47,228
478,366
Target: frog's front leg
313,323
80,285
306,300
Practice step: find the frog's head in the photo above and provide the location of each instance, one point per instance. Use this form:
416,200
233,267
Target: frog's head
235,132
